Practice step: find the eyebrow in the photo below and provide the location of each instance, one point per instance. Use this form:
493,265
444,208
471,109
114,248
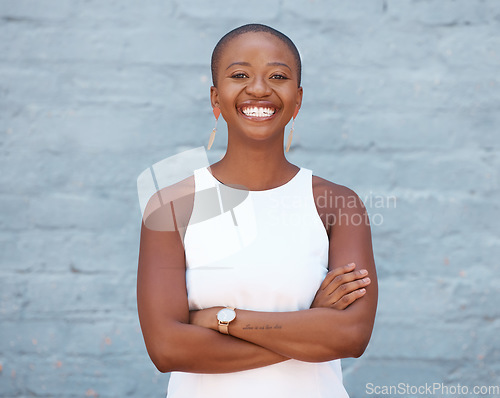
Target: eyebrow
269,64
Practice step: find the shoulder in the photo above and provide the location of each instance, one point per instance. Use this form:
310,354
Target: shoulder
332,195
337,205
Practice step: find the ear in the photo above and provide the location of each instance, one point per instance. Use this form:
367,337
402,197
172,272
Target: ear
300,93
214,96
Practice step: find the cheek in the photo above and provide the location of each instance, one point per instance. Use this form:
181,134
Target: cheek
226,105
227,96
291,98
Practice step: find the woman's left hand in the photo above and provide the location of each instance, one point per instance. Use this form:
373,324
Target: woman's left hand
341,287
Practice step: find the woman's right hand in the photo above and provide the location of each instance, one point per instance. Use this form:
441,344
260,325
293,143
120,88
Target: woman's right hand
341,287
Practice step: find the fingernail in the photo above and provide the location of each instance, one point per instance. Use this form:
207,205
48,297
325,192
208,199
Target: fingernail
362,290
366,280
363,272
351,265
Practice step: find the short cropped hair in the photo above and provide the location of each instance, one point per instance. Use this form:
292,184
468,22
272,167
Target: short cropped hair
216,54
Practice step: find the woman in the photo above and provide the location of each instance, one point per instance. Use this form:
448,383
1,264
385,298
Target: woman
274,316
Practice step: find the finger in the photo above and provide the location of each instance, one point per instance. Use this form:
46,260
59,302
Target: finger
324,299
349,287
342,279
348,299
336,272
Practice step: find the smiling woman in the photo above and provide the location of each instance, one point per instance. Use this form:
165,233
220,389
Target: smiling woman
266,299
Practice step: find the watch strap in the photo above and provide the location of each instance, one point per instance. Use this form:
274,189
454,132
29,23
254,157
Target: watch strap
224,326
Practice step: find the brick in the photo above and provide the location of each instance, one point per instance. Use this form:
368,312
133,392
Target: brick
89,129
362,171
18,11
401,297
334,10
111,255
449,173
85,376
12,295
106,339
12,378
221,9
76,295
157,44
93,357
408,131
335,46
446,341
34,338
70,210
25,252
447,13
140,85
125,13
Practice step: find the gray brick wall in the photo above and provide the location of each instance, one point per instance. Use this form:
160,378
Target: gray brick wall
401,100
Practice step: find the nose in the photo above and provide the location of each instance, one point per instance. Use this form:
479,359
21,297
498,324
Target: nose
258,87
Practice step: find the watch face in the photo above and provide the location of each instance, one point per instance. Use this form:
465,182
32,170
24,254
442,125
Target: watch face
226,315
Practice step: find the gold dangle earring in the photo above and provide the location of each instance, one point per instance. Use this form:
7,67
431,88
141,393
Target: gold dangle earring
216,111
290,134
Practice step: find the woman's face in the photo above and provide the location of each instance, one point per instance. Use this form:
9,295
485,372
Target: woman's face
257,85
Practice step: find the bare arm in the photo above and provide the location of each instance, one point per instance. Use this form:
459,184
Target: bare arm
320,334
172,343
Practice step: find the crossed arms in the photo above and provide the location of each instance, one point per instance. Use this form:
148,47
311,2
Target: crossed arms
338,324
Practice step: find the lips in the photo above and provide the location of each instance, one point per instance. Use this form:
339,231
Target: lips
257,110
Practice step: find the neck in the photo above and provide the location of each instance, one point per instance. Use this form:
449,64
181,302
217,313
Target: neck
257,165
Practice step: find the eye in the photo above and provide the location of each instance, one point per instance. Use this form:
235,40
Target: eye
279,77
238,76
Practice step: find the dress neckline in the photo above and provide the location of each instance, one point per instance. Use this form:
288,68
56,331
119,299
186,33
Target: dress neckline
258,191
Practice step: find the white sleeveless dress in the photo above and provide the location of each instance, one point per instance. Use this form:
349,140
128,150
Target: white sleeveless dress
261,251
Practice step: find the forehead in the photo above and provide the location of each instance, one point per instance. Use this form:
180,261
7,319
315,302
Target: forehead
256,46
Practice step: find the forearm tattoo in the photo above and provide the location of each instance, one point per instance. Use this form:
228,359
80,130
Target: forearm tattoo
261,327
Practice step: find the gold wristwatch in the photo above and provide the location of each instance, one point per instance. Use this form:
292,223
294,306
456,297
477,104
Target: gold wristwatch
224,317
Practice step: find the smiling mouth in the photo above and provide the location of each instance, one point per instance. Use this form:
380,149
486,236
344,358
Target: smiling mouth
256,111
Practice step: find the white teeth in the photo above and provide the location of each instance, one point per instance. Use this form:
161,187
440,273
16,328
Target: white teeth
258,112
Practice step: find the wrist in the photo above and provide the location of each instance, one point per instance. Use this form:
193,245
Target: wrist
206,318
224,318
213,321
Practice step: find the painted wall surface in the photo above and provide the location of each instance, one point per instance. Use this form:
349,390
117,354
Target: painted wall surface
401,104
